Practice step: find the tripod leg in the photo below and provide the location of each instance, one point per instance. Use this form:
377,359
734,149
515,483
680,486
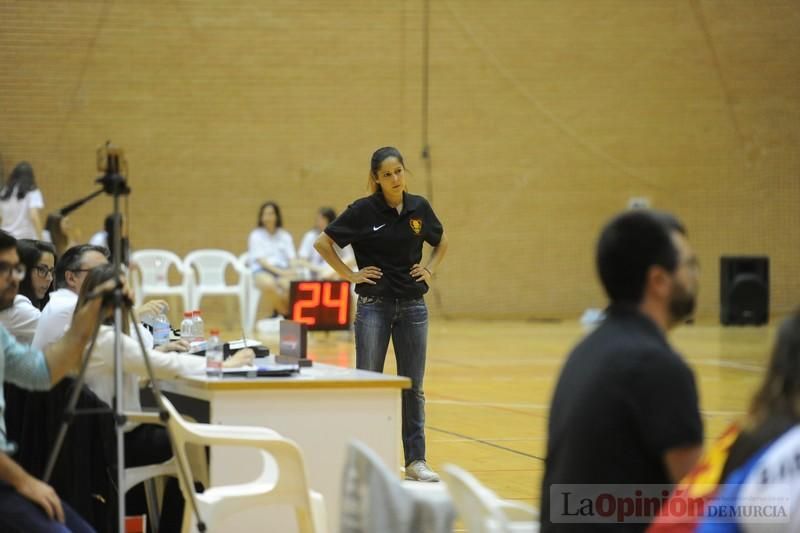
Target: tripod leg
69,410
184,474
119,409
153,514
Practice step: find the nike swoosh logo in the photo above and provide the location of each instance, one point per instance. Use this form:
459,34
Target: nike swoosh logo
376,228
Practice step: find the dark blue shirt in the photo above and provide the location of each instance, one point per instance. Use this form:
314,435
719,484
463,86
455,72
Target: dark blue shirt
623,399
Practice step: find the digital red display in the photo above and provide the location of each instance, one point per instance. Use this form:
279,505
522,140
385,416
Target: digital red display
321,305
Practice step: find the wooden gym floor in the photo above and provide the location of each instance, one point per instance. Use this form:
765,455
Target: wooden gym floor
488,386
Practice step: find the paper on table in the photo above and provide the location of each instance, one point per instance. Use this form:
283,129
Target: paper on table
263,370
246,368
243,343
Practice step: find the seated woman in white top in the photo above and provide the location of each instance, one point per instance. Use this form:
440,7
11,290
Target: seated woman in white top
308,257
144,443
270,253
21,318
20,202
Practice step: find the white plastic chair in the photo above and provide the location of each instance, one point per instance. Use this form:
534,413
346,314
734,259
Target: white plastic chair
374,499
146,474
287,486
252,293
153,267
206,273
482,510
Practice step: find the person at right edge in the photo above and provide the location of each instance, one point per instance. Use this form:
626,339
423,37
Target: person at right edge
625,408
387,230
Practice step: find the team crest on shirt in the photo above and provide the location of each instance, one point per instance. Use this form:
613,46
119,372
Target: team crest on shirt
416,225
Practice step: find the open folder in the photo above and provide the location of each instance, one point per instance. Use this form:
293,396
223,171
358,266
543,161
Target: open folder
262,369
229,348
238,344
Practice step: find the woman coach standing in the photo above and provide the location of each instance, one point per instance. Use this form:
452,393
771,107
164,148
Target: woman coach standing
386,231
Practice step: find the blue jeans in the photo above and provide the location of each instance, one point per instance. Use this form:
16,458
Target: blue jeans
19,514
406,322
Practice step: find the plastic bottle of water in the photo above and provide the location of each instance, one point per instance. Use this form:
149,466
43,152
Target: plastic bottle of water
214,355
198,333
187,329
161,330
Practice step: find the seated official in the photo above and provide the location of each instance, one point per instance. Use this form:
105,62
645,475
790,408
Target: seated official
165,365
144,443
21,318
70,272
26,503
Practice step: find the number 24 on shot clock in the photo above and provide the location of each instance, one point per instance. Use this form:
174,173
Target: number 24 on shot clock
321,305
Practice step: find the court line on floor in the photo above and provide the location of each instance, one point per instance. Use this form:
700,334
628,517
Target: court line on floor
710,412
508,407
477,361
491,439
517,360
729,364
541,406
486,442
532,406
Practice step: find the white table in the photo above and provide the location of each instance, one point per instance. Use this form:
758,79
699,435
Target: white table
321,409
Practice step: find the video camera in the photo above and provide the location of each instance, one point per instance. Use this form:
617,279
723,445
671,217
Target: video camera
111,160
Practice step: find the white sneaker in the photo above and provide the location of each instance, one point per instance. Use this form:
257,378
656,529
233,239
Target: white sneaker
420,471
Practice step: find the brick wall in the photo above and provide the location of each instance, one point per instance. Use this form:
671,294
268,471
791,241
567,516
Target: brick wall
545,118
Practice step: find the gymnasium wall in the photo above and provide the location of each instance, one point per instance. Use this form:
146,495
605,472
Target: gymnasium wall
544,119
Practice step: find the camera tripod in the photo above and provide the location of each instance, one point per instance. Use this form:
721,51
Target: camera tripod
114,184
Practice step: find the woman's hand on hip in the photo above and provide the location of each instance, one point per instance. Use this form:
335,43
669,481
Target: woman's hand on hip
420,273
366,275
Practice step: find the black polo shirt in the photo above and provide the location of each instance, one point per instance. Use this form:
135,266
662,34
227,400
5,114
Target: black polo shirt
390,241
623,398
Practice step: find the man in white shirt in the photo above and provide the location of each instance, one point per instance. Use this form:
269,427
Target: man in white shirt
71,270
20,318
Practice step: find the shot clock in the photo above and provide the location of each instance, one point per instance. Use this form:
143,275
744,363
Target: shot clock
320,305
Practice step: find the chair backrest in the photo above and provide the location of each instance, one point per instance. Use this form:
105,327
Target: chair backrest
178,431
154,266
244,260
372,497
480,509
477,506
210,266
288,484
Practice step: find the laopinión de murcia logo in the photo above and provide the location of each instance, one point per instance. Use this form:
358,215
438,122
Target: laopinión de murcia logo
619,504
